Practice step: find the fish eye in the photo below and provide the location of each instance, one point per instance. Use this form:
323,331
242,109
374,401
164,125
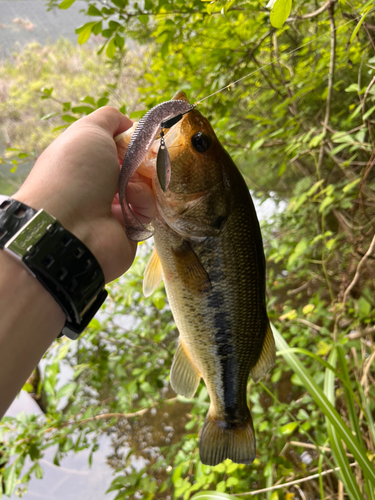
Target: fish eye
201,142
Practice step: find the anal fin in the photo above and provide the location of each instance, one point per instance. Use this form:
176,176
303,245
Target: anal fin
184,378
153,274
267,357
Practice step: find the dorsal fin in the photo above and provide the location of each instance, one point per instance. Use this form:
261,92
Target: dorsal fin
180,96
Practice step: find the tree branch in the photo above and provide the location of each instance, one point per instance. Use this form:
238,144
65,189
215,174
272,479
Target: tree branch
358,270
330,81
312,14
291,483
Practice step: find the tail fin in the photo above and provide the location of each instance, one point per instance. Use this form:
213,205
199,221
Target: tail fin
221,440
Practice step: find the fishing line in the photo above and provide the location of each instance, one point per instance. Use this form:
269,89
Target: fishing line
272,62
163,164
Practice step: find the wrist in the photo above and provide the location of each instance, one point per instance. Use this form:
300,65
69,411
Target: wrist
25,294
64,214
30,321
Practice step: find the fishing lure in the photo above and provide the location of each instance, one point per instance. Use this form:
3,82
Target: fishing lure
164,115
163,162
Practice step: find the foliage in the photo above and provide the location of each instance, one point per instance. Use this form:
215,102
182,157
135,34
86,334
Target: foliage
39,82
302,106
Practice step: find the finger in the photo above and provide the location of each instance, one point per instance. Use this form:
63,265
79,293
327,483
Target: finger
107,118
117,212
142,200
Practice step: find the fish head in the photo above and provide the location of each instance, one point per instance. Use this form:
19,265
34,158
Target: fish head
197,200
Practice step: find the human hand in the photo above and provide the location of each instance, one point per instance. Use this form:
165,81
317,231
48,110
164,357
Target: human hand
76,179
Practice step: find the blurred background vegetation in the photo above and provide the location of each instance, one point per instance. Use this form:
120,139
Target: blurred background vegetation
301,129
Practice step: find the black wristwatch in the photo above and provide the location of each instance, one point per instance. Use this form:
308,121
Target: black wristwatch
57,259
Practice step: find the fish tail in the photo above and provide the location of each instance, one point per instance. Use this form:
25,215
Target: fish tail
220,440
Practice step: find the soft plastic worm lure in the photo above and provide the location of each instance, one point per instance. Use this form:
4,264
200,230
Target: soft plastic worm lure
163,162
163,115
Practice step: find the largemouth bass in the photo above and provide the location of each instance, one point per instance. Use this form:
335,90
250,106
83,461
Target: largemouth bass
208,249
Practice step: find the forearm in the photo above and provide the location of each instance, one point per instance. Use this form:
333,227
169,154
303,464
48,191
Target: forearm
30,320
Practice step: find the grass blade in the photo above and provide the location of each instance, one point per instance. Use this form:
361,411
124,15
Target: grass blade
354,422
338,451
326,407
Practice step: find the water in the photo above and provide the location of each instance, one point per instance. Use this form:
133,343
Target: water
26,21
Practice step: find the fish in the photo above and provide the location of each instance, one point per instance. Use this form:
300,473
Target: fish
208,250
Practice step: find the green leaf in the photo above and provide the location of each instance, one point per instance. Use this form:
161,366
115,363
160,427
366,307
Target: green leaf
97,28
136,114
257,144
93,11
119,41
119,3
282,169
86,110
328,200
351,185
38,470
65,4
280,12
84,32
352,88
143,18
315,141
314,188
11,479
47,91
103,101
67,390
364,308
69,118
228,4
363,17
289,428
302,414
89,100
368,113
210,7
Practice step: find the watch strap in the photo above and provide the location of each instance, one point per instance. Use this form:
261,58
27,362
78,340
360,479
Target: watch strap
13,216
59,261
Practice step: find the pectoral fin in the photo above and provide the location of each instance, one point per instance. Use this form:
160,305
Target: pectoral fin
190,270
267,357
184,377
153,274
